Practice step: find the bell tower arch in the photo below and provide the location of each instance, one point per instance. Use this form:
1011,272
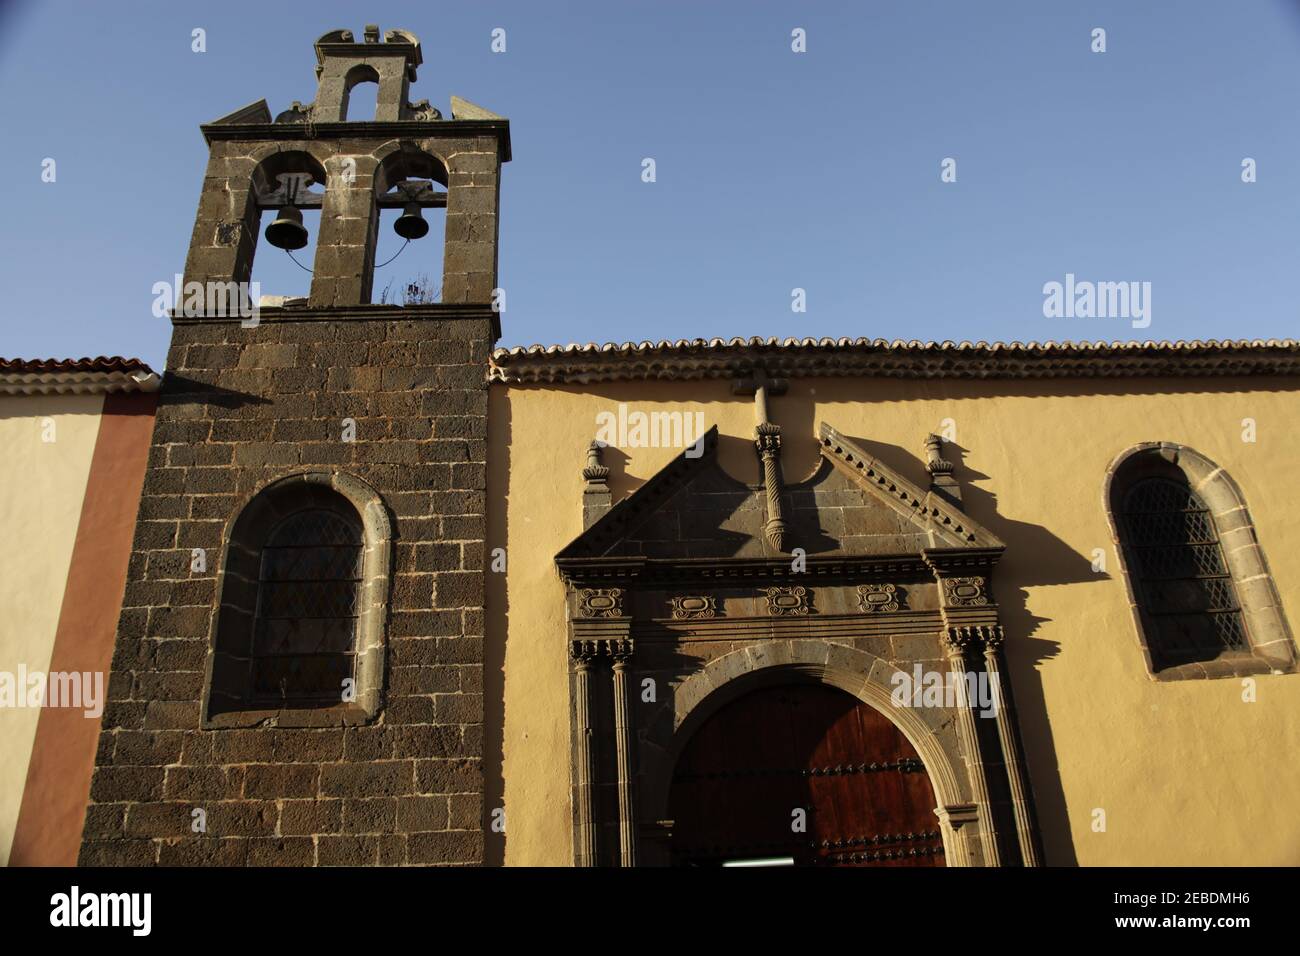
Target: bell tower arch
258,163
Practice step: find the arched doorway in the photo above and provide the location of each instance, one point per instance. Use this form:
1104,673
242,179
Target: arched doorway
864,793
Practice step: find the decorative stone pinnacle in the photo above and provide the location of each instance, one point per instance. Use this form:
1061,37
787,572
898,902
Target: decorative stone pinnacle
595,473
942,482
935,463
596,496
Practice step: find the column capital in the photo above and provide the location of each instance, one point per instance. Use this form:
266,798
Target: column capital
589,651
960,637
584,653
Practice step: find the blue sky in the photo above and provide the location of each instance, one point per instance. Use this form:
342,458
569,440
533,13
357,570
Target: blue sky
775,170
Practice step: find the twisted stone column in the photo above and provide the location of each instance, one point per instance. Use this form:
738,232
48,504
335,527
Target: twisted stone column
769,449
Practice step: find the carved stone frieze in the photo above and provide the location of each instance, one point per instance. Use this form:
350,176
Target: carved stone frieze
600,602
879,598
965,592
694,607
785,601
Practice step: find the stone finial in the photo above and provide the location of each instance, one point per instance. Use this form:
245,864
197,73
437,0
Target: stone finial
934,455
421,111
596,496
595,472
942,481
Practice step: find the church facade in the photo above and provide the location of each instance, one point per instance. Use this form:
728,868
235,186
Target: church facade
396,596
1071,546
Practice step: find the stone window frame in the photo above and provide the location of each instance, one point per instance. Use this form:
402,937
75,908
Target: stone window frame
227,691
1272,648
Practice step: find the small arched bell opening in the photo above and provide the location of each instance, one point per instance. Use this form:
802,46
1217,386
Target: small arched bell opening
289,188
360,94
411,195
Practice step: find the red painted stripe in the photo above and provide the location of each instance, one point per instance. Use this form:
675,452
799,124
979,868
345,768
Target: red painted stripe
63,757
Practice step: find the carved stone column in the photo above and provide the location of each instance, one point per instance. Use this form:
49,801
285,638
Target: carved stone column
584,658
1016,774
621,651
955,641
597,627
769,449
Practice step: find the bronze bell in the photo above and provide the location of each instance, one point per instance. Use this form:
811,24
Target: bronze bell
410,224
287,232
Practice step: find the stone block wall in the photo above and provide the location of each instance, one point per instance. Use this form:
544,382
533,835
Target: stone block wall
240,408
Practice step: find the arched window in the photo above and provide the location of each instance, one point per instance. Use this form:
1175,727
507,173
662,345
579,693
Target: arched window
1179,575
304,598
1204,603
308,600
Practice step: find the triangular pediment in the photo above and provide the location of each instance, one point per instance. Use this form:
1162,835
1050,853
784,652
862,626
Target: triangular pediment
257,112
851,506
946,525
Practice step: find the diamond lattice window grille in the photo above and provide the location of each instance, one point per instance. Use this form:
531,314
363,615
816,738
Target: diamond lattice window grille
1180,577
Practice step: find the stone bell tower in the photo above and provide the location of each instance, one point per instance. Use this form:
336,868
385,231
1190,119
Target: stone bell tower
298,671
406,153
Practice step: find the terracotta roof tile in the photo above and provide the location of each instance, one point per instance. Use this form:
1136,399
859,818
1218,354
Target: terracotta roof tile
83,376
811,357
104,363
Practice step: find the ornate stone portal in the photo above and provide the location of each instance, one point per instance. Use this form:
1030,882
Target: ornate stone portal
698,588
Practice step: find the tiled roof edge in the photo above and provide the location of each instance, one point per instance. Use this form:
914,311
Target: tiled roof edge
808,357
84,376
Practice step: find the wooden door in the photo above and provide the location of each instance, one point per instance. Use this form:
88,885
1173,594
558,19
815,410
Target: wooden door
866,797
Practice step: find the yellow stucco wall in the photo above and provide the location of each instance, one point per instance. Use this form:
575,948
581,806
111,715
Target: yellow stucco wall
1186,772
44,484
